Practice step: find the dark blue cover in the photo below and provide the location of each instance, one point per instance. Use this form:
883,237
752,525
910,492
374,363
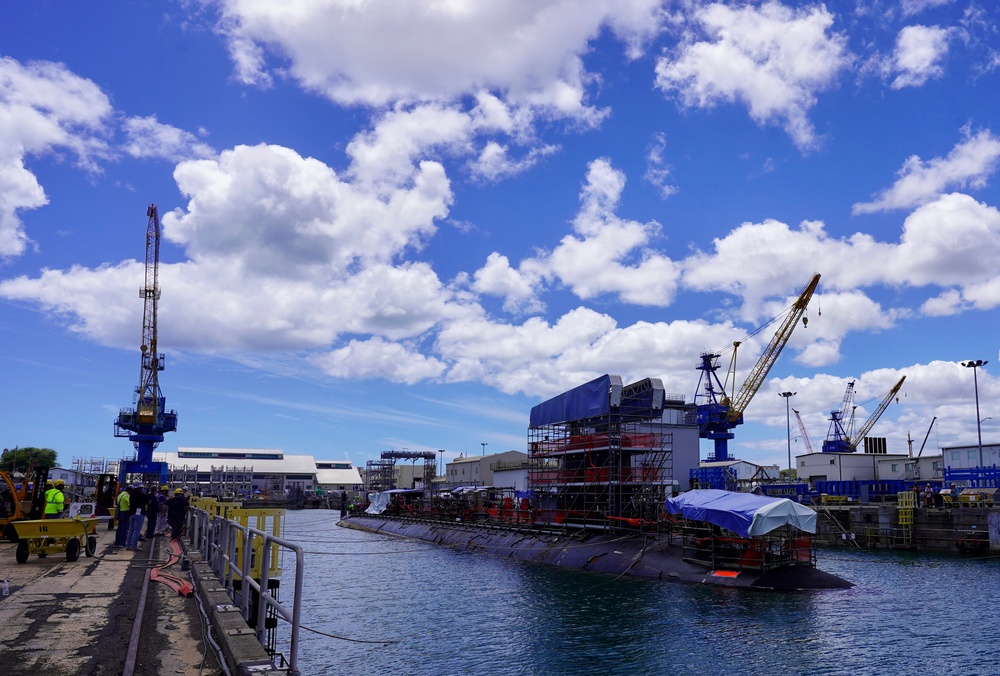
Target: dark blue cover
726,509
585,401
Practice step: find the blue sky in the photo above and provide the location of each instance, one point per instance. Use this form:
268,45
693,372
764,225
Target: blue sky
393,226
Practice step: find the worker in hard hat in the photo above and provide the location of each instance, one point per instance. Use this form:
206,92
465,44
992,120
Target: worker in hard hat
159,521
177,508
123,515
55,501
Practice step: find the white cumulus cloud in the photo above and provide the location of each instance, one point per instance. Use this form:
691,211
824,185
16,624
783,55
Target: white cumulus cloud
606,254
918,55
148,137
772,58
43,108
968,165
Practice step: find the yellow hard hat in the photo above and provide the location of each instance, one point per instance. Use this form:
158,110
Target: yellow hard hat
60,482
178,491
164,488
48,482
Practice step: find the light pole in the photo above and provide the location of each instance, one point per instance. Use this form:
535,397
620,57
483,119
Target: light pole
441,451
484,444
974,365
788,428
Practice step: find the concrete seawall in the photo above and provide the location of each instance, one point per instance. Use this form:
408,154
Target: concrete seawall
886,526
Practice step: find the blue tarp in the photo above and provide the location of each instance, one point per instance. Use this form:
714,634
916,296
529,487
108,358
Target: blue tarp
745,514
585,401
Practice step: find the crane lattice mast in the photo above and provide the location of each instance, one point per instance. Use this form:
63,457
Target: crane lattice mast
839,441
839,434
146,424
719,415
802,429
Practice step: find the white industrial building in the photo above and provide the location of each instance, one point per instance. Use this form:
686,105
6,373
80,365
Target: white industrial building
813,467
924,468
744,470
967,457
476,470
256,470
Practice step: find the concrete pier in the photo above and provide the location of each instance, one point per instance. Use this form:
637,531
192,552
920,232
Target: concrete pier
928,529
76,618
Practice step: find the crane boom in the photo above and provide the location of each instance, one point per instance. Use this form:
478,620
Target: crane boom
802,428
770,355
719,414
873,418
927,436
148,399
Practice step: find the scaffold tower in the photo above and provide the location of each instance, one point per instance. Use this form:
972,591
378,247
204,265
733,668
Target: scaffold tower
601,455
380,475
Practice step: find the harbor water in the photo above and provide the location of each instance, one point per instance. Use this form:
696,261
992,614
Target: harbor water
405,607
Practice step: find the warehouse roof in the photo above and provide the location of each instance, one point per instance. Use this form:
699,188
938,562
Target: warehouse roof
263,461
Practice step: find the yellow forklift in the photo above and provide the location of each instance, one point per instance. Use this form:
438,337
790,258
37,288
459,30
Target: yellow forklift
11,499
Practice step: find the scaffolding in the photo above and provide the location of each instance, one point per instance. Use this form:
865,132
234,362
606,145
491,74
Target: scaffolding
230,481
600,456
183,476
93,465
380,475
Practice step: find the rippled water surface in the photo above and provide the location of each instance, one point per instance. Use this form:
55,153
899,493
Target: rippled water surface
453,612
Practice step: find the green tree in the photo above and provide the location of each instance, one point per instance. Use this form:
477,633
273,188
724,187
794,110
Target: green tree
20,458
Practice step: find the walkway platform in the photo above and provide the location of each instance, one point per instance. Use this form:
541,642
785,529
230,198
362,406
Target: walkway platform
76,618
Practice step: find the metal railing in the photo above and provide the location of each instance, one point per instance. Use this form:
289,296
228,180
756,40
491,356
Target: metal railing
228,547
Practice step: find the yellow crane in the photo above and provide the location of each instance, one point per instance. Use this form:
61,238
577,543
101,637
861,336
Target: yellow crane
718,414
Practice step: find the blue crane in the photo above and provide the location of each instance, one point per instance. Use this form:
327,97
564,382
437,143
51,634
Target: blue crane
843,440
149,420
718,414
840,431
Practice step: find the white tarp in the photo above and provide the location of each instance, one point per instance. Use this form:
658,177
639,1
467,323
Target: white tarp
378,502
780,513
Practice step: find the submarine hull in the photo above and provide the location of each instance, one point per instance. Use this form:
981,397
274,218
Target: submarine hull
652,556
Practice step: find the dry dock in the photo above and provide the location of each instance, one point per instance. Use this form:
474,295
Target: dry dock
965,530
80,618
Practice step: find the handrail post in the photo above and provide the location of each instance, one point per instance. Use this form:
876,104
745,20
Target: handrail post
217,536
265,569
245,581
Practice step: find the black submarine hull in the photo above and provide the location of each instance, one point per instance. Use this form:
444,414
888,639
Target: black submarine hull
650,557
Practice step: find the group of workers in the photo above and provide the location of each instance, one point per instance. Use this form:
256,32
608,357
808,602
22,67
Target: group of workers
136,506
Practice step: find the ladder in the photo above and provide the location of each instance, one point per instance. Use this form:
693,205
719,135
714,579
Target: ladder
825,511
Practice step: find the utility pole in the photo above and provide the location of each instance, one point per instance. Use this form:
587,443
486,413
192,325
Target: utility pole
974,365
788,428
